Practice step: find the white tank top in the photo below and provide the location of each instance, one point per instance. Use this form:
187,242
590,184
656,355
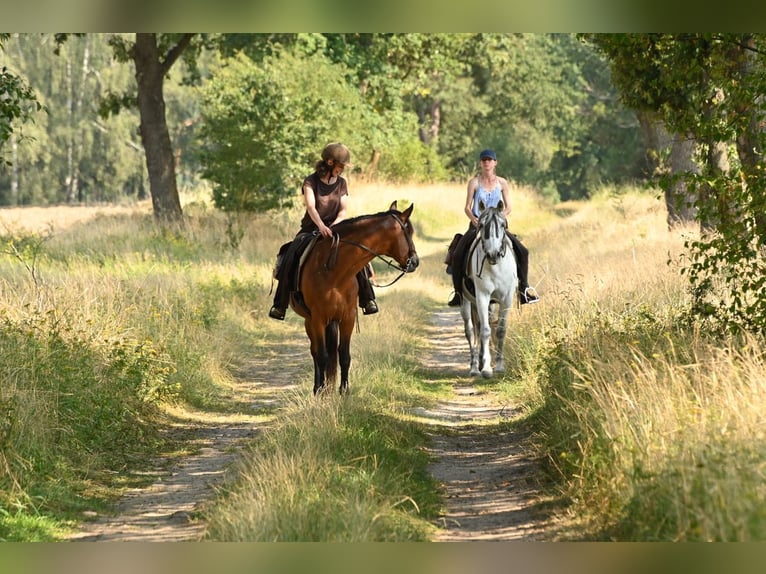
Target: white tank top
490,197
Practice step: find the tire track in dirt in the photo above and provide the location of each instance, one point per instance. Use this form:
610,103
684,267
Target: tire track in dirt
491,482
165,510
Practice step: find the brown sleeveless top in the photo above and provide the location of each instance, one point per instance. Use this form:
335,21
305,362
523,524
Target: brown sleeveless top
327,200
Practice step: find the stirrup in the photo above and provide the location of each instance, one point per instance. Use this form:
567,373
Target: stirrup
277,313
370,308
529,296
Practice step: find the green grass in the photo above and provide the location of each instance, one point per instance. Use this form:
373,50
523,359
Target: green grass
332,470
651,430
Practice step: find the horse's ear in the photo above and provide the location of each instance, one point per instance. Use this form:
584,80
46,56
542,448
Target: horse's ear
393,206
482,207
500,205
408,211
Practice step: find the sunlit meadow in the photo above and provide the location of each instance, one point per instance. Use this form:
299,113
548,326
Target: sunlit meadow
110,326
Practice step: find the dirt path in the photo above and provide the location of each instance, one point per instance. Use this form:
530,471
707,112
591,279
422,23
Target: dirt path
489,480
165,511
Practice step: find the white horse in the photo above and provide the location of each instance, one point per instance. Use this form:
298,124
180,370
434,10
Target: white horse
491,266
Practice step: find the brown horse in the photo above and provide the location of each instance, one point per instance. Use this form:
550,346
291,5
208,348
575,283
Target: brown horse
329,287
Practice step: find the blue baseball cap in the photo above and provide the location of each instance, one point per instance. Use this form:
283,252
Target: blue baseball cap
487,153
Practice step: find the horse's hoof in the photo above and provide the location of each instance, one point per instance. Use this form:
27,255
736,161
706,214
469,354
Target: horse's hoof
474,372
486,374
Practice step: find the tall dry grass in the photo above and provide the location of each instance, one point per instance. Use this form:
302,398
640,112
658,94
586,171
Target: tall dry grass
652,430
108,325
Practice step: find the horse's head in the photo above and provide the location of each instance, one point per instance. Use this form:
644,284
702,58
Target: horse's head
406,255
491,231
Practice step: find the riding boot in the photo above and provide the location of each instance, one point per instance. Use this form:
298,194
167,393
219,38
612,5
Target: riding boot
279,308
451,252
285,273
366,293
459,256
527,294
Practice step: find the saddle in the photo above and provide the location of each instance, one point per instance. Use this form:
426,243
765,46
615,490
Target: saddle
451,249
449,259
289,264
467,281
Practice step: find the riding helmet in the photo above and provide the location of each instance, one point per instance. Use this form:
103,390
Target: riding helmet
337,152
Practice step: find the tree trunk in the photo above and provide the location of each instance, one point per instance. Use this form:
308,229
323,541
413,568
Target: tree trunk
74,111
656,139
15,176
718,163
749,148
150,74
679,202
374,161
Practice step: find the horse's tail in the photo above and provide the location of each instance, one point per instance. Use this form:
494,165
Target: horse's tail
331,344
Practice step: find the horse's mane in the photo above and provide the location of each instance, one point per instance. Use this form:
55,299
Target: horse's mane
342,226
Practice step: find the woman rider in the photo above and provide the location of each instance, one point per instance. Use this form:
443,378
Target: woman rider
489,188
325,194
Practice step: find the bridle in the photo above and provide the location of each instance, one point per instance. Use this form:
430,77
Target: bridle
337,240
482,235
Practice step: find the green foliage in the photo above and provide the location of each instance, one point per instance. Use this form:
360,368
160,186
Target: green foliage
411,161
70,402
543,101
552,115
17,104
72,154
17,100
27,527
710,86
727,277
262,124
265,124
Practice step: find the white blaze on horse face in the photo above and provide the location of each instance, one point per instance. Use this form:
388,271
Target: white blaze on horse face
492,226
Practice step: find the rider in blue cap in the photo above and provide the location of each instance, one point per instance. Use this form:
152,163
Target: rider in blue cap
489,188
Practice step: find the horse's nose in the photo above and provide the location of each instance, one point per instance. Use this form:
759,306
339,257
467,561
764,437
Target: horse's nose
412,263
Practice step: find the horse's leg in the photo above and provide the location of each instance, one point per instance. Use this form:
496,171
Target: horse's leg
344,352
502,324
466,311
331,344
505,303
319,354
482,308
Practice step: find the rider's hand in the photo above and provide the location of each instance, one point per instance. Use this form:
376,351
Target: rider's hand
325,231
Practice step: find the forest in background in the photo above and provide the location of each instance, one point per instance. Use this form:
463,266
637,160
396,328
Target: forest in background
248,113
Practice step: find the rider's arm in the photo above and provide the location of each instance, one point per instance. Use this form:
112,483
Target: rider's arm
506,196
342,211
472,184
311,208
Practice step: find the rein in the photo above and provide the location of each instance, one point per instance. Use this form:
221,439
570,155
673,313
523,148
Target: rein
332,258
481,233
